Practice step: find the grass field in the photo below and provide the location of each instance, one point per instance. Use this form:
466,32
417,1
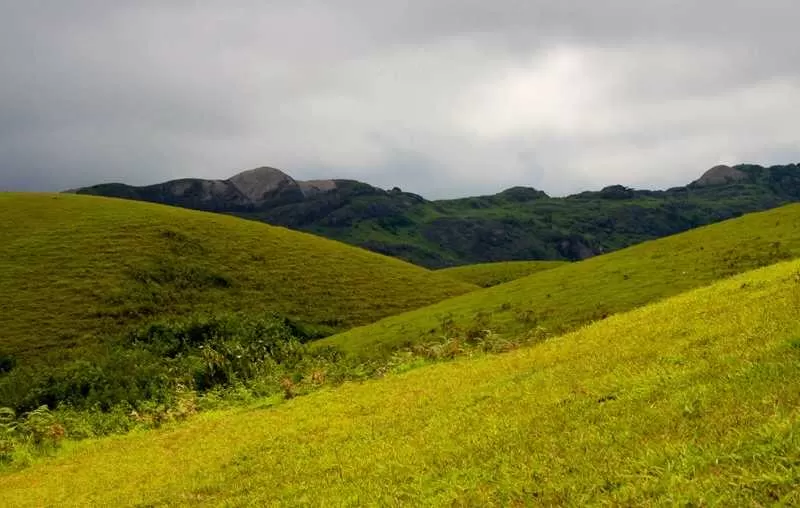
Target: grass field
693,400
72,267
491,274
561,299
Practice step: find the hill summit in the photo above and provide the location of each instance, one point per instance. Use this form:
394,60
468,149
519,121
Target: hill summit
719,175
251,189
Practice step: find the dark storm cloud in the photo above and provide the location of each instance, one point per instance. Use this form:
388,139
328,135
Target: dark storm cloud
442,98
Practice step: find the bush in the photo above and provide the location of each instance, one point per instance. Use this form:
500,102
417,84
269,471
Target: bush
156,362
7,363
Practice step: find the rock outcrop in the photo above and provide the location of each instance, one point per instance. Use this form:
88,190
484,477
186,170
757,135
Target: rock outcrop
720,175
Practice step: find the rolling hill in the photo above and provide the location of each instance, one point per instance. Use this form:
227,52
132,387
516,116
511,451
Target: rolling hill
689,401
566,297
491,274
75,267
520,223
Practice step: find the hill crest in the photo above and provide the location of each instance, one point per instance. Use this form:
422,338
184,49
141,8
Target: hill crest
520,223
720,175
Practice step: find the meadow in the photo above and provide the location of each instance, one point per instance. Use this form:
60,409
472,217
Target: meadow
689,401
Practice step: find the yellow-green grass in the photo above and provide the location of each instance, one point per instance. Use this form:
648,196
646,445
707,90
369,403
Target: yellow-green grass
694,400
76,266
566,297
491,274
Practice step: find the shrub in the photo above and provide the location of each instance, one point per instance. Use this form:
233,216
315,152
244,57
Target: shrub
7,363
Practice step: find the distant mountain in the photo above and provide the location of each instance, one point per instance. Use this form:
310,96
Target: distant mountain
517,224
250,190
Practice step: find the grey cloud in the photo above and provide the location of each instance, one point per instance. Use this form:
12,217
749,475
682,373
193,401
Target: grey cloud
442,98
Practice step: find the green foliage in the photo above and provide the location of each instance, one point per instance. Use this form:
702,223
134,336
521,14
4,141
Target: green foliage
35,432
76,268
567,297
690,401
7,362
159,361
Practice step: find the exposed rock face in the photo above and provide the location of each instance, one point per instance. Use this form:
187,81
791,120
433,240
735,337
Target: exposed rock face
314,187
202,190
248,190
719,175
258,185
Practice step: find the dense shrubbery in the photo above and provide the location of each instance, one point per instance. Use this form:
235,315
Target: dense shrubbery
155,362
168,370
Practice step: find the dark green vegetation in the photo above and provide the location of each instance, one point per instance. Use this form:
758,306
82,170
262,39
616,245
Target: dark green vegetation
75,268
689,402
517,224
157,371
564,298
491,274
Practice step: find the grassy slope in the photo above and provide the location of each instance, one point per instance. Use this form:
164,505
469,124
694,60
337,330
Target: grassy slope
491,274
71,266
694,399
566,297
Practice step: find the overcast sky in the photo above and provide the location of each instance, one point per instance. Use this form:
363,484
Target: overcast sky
440,97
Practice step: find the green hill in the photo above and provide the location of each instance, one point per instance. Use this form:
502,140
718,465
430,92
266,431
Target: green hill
566,297
74,267
491,274
520,223
690,401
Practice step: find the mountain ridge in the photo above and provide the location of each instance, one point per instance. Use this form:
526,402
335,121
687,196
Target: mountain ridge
519,223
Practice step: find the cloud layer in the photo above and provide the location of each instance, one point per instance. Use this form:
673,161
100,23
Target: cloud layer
444,98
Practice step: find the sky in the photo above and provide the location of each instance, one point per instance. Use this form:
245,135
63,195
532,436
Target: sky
444,98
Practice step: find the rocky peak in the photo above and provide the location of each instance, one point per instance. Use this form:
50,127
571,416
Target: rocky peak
719,175
257,184
314,187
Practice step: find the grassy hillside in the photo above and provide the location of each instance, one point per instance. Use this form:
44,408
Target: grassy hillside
491,274
72,267
693,400
564,298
